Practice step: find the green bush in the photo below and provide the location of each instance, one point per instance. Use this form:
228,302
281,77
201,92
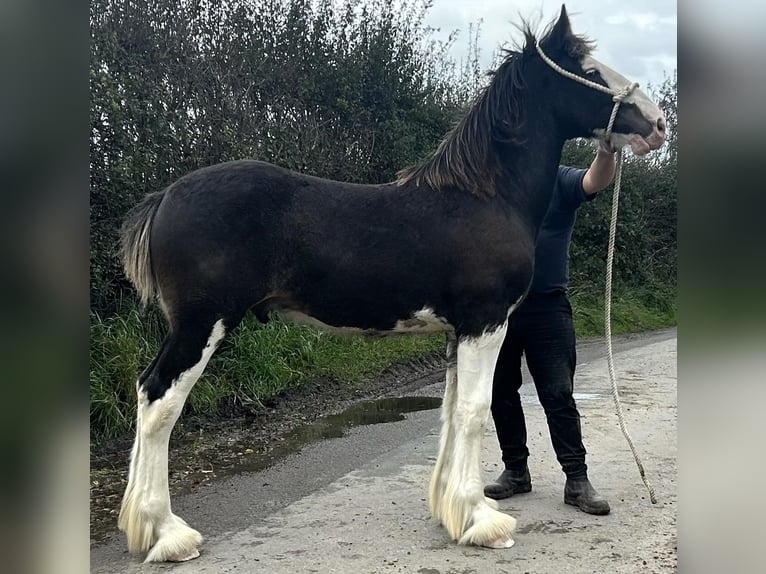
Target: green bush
352,91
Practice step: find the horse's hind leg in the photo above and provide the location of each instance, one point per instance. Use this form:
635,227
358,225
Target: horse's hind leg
145,516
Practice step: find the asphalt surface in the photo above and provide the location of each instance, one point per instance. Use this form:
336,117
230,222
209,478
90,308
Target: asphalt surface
357,504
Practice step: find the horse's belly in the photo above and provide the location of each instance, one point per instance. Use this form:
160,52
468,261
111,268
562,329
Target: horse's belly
423,321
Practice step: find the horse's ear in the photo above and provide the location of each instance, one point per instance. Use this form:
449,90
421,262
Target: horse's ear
560,35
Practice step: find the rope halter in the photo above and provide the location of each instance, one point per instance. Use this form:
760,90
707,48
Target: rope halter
617,97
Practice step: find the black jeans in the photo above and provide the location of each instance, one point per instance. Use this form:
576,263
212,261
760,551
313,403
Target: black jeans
542,330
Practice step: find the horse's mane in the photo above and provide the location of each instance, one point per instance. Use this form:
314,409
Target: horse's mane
466,157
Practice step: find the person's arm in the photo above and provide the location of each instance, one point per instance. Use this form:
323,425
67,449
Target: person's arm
600,173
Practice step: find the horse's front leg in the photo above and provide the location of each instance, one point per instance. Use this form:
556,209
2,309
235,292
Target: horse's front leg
464,511
438,485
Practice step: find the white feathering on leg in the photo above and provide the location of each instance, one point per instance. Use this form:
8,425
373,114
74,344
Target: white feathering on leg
464,510
145,516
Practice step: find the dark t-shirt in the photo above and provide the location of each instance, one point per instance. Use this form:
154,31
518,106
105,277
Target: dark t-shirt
555,236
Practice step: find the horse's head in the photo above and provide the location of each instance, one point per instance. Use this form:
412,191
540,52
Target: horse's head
584,111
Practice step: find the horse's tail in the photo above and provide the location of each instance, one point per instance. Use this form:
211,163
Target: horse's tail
134,245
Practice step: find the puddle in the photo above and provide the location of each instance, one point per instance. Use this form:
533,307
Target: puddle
586,396
366,413
249,452
333,426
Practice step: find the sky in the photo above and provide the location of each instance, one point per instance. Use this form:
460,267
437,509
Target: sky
637,38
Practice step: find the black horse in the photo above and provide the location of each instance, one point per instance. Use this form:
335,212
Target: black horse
448,246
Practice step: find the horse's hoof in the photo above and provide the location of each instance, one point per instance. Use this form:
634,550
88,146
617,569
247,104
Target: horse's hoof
192,556
490,528
507,543
178,542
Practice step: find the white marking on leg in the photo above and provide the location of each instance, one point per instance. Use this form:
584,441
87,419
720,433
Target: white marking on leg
465,513
447,438
617,82
146,516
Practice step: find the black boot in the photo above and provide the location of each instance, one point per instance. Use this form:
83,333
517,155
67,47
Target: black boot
580,493
510,482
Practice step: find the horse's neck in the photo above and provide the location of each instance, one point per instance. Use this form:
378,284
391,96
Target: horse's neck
529,174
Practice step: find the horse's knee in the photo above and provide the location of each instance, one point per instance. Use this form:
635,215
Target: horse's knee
472,416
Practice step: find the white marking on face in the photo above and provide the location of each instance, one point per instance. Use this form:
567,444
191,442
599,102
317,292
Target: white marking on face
645,105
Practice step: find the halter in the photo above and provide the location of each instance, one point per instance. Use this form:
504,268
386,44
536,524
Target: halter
617,97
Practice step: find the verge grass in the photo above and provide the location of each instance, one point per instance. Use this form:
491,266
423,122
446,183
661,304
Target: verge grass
633,310
254,363
258,362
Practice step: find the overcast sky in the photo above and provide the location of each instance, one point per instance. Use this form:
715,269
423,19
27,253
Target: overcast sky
637,38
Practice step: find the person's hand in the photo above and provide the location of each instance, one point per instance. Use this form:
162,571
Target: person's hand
605,148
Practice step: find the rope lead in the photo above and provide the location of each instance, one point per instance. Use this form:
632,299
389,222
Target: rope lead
617,98
608,326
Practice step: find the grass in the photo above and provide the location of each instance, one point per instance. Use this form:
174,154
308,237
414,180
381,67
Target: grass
253,364
258,362
633,310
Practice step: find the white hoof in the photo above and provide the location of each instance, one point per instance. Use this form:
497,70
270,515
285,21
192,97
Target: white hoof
177,542
191,556
490,528
501,543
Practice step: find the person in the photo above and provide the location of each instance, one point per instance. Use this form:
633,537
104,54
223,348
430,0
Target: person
542,330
